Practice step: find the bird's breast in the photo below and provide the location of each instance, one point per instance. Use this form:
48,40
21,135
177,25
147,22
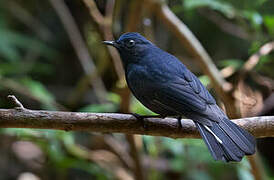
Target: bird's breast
139,81
137,77
144,77
143,84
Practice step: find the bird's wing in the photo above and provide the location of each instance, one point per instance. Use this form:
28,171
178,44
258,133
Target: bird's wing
187,95
198,87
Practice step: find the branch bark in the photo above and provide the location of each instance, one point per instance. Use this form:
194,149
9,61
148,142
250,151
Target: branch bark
120,123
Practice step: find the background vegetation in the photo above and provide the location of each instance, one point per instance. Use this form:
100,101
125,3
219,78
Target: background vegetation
52,58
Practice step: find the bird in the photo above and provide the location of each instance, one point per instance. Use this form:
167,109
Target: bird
163,84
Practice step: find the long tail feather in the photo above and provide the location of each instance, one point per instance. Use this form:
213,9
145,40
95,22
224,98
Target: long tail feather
226,141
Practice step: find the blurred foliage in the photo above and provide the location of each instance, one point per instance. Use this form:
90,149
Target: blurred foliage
44,71
112,106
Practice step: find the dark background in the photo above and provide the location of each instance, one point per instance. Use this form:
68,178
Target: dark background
39,64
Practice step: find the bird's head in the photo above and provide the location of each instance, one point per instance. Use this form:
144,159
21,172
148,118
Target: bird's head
131,46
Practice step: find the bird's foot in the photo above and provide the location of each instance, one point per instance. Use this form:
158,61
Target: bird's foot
179,121
142,117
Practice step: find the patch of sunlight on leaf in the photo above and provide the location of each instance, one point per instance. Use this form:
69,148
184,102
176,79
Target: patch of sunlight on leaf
67,138
236,63
254,17
269,23
204,80
255,46
193,142
115,98
138,108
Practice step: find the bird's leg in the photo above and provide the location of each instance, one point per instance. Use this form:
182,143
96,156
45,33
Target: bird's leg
179,121
142,117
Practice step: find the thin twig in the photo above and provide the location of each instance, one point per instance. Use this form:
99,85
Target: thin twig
15,101
119,148
21,89
138,169
254,59
103,158
255,162
251,62
80,47
105,25
257,167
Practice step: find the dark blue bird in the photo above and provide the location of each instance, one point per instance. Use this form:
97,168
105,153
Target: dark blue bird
164,85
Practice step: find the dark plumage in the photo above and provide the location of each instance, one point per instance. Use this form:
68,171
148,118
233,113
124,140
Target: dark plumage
165,86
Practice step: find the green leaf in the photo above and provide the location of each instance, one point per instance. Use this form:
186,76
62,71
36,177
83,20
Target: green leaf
204,80
255,46
111,106
7,49
254,17
107,107
236,63
244,171
269,23
23,67
139,108
12,41
113,97
38,90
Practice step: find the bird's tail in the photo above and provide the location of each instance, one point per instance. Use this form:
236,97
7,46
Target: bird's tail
226,141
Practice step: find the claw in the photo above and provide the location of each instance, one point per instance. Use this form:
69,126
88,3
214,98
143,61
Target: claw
141,119
138,116
179,121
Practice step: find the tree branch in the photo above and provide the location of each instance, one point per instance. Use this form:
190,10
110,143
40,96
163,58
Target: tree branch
120,123
105,26
254,59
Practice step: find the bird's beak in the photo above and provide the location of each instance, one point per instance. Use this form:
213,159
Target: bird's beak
110,43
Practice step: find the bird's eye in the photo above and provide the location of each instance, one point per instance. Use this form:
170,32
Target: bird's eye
130,43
